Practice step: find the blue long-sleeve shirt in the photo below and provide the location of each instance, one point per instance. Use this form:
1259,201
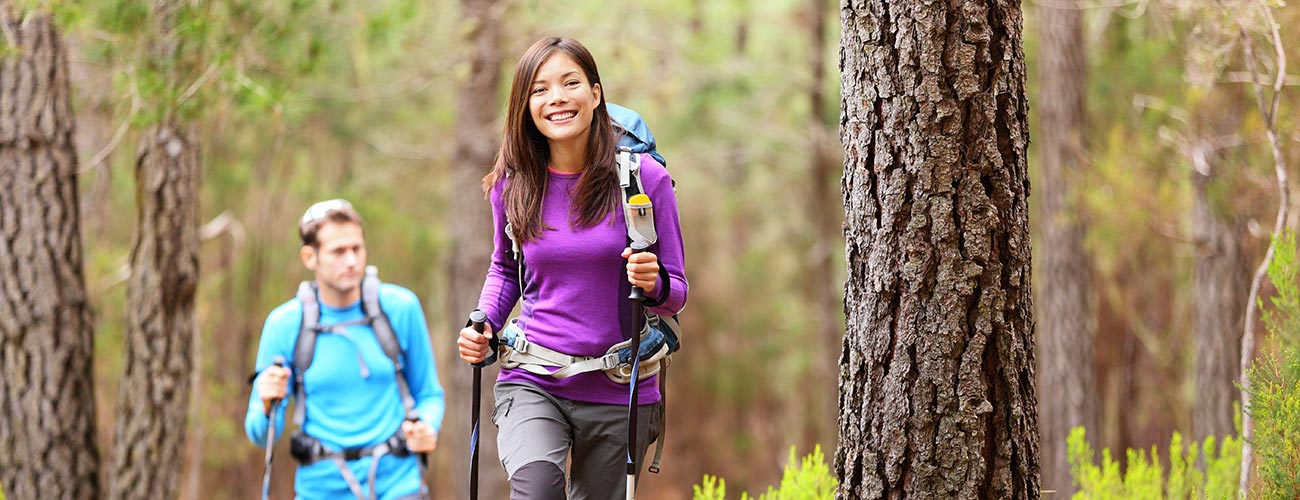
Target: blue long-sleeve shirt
346,408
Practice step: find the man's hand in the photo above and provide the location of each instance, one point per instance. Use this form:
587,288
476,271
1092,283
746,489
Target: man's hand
272,386
420,438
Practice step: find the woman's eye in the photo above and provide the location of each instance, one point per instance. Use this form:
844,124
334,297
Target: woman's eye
572,83
538,90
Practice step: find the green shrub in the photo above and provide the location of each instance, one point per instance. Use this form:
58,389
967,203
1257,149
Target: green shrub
807,479
1275,388
1146,478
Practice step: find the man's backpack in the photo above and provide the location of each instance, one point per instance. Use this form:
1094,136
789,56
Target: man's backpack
305,347
307,449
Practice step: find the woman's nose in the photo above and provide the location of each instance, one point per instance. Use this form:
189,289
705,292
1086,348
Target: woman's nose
557,95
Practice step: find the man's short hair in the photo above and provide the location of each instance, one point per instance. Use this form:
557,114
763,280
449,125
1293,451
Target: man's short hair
337,210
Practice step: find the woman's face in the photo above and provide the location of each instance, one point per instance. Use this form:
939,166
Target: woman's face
561,100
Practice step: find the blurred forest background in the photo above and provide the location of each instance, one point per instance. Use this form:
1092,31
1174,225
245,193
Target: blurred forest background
396,106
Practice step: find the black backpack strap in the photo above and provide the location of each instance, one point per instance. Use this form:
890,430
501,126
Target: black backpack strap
304,348
385,335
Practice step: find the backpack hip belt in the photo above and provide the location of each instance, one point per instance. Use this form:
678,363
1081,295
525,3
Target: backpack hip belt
515,351
309,450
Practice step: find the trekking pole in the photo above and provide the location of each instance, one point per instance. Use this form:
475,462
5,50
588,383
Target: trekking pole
412,416
270,439
638,317
478,320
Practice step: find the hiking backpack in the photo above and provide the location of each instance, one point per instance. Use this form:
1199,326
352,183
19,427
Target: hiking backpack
307,449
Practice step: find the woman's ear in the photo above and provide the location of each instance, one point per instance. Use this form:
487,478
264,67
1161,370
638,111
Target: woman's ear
595,89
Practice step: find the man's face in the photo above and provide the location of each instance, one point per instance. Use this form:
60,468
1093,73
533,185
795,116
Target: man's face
339,260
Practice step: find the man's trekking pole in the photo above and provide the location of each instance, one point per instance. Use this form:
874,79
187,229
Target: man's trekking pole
412,416
638,318
478,321
270,439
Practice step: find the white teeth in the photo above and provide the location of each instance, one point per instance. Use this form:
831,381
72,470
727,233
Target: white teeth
563,116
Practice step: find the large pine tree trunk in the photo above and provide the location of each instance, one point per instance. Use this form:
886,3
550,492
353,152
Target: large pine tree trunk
149,441
470,220
47,405
1066,364
937,396
1221,286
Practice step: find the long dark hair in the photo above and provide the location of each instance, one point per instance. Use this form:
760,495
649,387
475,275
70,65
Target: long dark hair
525,153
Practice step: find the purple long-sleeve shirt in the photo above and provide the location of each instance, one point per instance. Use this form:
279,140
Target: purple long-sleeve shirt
576,288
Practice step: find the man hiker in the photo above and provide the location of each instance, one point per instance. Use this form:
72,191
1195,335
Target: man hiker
354,356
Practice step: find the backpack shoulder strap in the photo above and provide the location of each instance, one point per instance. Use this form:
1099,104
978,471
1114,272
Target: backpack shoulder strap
384,333
304,347
629,173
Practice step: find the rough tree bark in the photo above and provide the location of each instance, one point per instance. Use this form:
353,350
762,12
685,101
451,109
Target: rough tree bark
477,137
47,405
937,396
1066,363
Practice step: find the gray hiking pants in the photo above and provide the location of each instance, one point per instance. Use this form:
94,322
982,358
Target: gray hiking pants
538,432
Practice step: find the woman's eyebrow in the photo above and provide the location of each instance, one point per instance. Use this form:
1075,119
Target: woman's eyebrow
566,75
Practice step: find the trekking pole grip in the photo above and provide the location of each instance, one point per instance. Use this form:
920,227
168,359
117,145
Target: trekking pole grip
277,361
478,321
637,293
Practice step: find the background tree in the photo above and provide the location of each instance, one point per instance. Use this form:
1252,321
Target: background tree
937,377
47,405
1064,282
824,212
1220,292
153,403
477,137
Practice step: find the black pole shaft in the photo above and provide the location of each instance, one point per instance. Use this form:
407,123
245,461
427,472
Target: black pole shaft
478,320
638,317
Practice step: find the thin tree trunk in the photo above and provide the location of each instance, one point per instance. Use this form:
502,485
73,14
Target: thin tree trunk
477,137
154,399
1221,285
1064,292
827,220
1268,107
937,396
149,441
47,405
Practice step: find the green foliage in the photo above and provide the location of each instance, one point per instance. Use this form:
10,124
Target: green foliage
811,479
1145,478
1275,379
260,57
